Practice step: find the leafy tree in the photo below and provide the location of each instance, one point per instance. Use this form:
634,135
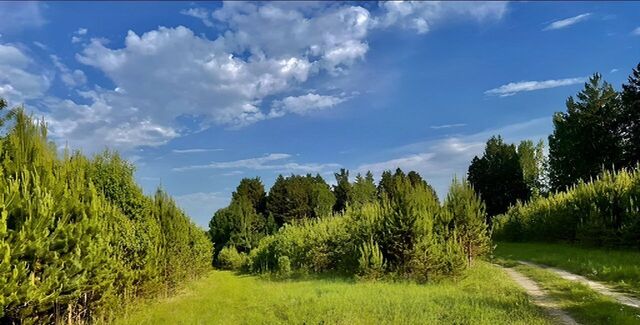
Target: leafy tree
342,190
588,136
533,164
364,189
497,177
631,117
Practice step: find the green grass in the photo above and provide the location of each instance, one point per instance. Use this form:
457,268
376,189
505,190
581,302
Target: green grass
485,296
618,268
582,303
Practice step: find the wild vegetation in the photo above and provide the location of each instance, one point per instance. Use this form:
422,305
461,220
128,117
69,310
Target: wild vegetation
484,296
77,236
398,228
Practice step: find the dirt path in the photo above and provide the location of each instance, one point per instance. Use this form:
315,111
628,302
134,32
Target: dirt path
540,297
596,286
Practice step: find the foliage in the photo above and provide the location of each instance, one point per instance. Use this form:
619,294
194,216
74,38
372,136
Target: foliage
534,167
299,197
588,136
631,117
343,190
404,233
497,177
78,238
466,215
230,259
371,263
604,212
363,190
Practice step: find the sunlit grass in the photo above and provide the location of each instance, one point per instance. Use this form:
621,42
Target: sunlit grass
485,296
616,267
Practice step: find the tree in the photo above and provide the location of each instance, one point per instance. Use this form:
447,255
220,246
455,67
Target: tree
588,136
497,177
299,197
631,117
467,213
253,190
364,189
342,190
533,164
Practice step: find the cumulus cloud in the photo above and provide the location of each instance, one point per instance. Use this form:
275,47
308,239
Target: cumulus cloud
564,23
273,161
19,80
422,15
513,88
70,78
240,77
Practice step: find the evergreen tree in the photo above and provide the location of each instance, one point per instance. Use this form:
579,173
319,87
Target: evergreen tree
364,189
587,137
252,189
342,190
631,117
468,216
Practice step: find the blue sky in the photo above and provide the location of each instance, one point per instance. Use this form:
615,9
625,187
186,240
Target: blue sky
201,94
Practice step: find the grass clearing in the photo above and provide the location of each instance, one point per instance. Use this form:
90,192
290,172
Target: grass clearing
581,302
486,296
618,268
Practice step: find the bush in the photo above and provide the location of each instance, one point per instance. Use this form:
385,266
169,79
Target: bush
371,263
604,212
284,266
230,259
78,237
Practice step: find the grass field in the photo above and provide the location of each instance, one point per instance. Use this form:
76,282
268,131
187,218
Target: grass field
485,296
618,268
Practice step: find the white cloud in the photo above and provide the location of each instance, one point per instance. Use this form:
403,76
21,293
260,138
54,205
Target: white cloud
559,24
241,77
439,160
636,31
513,88
613,71
19,15
78,35
303,104
447,126
203,14
70,78
194,150
18,80
422,15
200,206
233,173
273,161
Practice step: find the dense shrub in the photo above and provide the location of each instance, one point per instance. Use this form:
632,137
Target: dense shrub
230,259
603,212
407,233
78,237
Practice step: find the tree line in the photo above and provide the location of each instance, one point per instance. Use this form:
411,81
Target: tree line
397,227
600,130
78,238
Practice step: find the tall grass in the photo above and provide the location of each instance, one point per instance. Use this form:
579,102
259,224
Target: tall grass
485,296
